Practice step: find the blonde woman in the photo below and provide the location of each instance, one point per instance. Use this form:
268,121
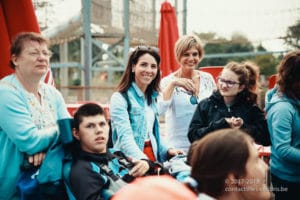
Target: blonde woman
183,89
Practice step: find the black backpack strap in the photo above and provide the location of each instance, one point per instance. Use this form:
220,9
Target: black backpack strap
123,162
108,171
125,96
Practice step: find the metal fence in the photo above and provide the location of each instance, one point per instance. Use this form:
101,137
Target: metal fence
75,94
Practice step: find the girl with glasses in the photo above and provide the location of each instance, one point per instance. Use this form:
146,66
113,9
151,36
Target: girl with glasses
182,90
232,105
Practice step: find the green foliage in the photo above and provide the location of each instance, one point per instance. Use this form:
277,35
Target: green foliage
292,37
74,51
237,44
76,82
55,51
218,45
267,64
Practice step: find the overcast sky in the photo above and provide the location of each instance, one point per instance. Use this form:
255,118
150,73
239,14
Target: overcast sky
262,21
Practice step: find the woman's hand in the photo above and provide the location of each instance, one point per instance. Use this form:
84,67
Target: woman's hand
37,158
140,168
186,83
235,122
174,152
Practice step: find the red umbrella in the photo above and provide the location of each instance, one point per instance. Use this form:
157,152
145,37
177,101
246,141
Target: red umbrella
5,44
16,16
168,35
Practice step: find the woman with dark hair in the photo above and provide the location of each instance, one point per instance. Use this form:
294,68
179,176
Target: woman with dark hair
283,116
233,105
225,165
133,109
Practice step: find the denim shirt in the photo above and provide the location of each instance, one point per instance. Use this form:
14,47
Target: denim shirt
129,130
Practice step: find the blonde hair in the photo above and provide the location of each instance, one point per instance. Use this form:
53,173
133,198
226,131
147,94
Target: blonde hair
185,43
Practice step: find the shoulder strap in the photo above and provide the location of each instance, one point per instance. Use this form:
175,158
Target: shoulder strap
122,159
124,163
125,96
108,171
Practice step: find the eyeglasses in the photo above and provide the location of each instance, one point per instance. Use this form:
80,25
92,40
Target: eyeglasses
193,98
37,54
228,83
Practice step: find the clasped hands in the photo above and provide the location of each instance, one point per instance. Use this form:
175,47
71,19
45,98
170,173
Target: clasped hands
234,122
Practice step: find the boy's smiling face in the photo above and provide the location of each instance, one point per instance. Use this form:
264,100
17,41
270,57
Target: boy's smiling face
93,134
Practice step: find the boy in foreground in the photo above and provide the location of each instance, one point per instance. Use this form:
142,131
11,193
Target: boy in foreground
98,172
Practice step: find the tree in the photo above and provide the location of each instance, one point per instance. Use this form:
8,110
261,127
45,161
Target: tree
219,45
292,37
267,64
237,44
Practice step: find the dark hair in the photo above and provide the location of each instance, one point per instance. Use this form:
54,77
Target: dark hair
17,44
288,79
128,75
242,72
215,156
85,110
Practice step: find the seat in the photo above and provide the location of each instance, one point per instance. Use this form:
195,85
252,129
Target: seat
213,70
272,81
65,129
66,174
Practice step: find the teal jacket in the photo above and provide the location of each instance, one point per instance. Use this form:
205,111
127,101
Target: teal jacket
19,134
129,130
283,117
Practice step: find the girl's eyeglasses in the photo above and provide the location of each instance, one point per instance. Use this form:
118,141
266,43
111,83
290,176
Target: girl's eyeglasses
193,98
228,83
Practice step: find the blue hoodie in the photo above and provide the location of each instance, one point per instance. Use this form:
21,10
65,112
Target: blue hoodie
283,117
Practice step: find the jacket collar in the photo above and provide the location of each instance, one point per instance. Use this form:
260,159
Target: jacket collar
139,92
94,157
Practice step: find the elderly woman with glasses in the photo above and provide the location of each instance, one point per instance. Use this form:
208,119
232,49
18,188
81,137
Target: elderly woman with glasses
133,110
182,90
29,110
233,105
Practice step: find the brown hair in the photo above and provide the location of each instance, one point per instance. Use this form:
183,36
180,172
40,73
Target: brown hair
253,70
17,44
128,75
185,43
288,79
217,155
242,72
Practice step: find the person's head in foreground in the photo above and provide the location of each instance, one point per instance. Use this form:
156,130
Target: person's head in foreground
288,78
91,128
226,165
155,187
